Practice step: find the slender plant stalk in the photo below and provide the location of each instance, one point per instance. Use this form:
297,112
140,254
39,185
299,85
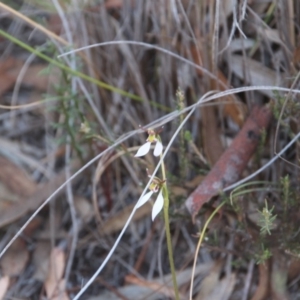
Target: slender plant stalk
201,237
168,233
80,74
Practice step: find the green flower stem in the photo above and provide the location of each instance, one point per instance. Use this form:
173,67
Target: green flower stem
168,233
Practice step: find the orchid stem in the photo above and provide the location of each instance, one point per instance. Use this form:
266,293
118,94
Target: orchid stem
168,233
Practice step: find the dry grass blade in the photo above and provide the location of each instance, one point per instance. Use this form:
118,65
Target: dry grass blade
234,53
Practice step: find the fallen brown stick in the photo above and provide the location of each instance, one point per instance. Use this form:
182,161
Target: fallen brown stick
233,161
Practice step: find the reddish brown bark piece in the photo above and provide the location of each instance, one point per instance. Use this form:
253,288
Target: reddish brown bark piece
233,161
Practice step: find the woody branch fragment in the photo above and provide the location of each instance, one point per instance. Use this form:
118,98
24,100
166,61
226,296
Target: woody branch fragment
229,167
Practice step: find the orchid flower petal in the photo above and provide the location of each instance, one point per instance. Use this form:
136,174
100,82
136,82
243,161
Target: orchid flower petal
158,148
144,199
143,150
158,205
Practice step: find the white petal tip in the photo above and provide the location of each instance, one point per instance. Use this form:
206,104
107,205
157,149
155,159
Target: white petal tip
143,150
144,199
158,205
158,148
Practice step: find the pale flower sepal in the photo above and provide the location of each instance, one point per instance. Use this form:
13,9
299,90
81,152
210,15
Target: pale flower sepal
158,148
143,150
158,205
144,199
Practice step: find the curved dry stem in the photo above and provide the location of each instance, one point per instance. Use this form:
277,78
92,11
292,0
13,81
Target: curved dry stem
199,245
101,167
154,124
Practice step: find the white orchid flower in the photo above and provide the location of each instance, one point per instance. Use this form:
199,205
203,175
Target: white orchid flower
152,138
154,187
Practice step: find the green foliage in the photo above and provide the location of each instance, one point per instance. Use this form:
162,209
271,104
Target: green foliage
81,75
70,109
183,161
286,108
188,136
266,220
286,231
17,5
286,194
263,255
254,187
261,146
